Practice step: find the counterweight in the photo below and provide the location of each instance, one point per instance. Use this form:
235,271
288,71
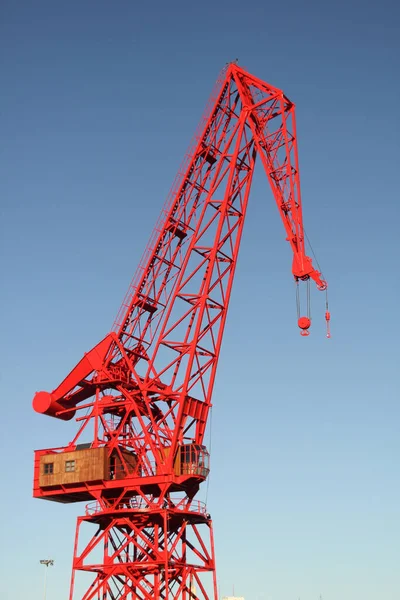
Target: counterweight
146,388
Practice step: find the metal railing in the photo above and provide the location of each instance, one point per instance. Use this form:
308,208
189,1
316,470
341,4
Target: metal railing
135,504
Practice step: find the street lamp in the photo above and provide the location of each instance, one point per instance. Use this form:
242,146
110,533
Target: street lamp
47,563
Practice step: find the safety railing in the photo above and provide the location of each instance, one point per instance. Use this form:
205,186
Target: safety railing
141,505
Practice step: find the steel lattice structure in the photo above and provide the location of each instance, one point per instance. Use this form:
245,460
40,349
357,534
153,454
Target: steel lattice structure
144,392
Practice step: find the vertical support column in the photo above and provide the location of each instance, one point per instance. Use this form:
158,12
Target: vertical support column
74,566
166,554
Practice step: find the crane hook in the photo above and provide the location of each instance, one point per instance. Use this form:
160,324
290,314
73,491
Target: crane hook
304,323
328,325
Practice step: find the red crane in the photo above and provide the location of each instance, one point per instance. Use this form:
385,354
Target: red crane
144,392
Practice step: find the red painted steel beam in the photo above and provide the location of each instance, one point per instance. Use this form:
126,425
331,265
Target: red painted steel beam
145,391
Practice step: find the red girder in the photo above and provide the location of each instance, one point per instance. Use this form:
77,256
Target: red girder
149,383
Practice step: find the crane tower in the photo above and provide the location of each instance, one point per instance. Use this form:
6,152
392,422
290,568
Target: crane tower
142,395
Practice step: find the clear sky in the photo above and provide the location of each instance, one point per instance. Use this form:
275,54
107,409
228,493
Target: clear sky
99,102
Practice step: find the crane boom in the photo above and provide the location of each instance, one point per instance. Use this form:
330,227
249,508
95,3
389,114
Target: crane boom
147,386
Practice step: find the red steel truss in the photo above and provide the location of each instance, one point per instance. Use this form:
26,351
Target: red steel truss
144,392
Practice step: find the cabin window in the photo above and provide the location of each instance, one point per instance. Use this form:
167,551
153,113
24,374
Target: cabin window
69,466
48,468
194,460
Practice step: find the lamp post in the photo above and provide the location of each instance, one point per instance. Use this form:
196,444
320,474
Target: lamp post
47,563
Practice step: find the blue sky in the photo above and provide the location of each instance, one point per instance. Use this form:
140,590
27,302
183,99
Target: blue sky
99,103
